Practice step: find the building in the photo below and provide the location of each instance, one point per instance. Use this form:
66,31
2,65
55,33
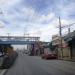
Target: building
39,47
62,49
70,39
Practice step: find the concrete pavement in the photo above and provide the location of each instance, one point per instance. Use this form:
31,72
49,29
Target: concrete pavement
2,72
32,65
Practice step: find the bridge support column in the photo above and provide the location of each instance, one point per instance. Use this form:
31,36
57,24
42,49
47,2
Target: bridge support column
31,49
32,52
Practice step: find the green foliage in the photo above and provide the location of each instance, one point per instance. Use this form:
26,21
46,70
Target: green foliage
51,46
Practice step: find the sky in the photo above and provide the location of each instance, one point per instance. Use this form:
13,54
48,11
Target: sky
35,17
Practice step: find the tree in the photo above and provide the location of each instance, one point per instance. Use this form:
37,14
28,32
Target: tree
52,48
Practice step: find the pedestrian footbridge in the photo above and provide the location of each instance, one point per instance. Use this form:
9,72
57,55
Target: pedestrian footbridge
18,40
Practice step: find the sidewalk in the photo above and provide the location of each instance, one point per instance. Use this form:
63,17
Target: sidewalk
67,59
73,60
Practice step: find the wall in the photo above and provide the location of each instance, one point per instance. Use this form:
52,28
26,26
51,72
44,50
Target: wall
65,52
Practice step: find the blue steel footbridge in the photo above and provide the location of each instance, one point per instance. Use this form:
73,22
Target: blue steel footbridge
18,40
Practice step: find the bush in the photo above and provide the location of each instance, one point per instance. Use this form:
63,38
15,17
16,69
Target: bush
9,60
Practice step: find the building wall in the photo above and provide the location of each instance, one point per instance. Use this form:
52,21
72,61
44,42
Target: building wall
73,53
65,53
73,50
46,50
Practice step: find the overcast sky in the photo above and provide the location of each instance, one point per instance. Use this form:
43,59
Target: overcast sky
36,17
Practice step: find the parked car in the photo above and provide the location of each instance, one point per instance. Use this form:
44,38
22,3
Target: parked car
49,56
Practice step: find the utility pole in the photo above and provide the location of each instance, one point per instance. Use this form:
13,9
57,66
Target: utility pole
60,32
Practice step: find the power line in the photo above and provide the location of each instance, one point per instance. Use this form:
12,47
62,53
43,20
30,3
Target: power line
67,26
60,32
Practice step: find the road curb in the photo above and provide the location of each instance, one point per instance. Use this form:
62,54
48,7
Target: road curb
3,72
67,60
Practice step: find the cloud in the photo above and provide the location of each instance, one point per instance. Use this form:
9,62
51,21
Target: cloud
65,8
7,3
37,17
38,5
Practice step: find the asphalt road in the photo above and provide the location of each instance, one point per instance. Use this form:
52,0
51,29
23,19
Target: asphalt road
33,65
